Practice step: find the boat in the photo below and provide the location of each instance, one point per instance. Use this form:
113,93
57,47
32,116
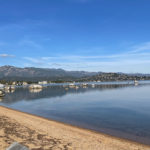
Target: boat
7,87
93,85
35,86
76,87
66,88
12,87
71,85
136,82
84,84
35,90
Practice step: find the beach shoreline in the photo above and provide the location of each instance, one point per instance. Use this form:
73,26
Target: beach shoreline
39,133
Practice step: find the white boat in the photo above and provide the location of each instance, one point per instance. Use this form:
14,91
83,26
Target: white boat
93,85
84,84
35,90
136,82
12,87
71,85
76,87
7,87
35,86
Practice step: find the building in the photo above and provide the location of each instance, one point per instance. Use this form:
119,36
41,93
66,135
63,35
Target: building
42,82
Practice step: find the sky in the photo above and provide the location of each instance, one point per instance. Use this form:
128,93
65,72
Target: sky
89,35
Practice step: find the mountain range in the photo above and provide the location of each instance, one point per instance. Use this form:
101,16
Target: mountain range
36,74
11,72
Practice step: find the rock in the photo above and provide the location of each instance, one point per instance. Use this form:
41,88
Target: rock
2,93
17,146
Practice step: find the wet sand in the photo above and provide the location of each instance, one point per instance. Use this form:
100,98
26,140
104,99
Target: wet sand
38,133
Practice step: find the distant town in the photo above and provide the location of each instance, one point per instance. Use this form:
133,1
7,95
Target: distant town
103,77
37,78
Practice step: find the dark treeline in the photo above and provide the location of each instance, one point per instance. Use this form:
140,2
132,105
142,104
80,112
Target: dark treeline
100,77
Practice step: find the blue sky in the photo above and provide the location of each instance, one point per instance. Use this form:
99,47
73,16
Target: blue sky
91,35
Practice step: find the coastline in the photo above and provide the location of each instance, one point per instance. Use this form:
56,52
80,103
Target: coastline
39,133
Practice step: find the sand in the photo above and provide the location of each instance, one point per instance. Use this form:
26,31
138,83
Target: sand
41,134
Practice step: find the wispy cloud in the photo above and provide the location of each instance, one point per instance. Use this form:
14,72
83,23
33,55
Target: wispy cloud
136,59
33,60
30,43
140,48
79,1
6,55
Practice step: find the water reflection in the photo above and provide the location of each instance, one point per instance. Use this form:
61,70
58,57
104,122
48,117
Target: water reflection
9,90
1,99
118,109
53,91
35,90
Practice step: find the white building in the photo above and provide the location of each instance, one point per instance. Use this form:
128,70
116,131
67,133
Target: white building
42,82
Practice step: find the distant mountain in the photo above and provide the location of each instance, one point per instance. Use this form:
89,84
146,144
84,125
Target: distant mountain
15,73
12,73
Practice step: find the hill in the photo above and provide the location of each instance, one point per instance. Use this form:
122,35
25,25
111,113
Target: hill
31,73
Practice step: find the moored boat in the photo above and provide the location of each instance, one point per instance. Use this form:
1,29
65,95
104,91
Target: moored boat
136,82
35,86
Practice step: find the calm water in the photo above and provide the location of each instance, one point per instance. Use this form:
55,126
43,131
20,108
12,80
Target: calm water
121,110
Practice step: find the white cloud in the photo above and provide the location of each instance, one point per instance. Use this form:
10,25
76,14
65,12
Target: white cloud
80,1
30,43
137,59
6,55
56,64
33,60
141,47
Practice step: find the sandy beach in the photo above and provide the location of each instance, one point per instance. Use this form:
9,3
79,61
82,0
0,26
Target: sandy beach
41,134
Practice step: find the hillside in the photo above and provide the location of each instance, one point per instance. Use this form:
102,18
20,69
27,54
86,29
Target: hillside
15,73
12,73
